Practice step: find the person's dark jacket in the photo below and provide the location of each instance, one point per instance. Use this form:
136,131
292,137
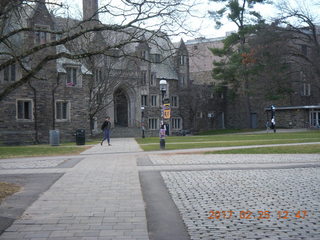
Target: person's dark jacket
106,125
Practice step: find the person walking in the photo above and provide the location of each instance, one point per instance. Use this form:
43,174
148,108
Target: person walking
273,124
106,127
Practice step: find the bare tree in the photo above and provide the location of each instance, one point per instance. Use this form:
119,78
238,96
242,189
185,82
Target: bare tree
301,24
131,20
108,73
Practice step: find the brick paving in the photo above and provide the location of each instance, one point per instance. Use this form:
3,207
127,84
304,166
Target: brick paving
187,159
196,193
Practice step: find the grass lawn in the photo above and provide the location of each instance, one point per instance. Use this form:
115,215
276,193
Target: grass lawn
7,189
229,140
312,148
40,150
225,131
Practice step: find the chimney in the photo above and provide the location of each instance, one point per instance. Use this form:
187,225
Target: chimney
90,10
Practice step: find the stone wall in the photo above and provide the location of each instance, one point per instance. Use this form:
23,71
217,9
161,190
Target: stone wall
293,118
14,131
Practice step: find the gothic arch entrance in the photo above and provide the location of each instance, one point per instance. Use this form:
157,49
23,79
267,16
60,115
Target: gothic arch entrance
121,108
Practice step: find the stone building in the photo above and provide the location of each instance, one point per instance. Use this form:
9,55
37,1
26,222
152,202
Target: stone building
297,107
50,99
209,106
133,73
60,96
300,107
201,58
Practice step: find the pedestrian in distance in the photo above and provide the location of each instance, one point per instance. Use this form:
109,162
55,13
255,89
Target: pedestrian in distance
273,124
106,128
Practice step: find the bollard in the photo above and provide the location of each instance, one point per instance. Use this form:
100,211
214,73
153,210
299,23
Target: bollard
162,135
162,144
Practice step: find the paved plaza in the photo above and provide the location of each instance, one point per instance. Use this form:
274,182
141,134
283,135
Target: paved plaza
121,192
205,200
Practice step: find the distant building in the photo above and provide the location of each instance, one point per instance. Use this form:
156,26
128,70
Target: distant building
201,58
299,108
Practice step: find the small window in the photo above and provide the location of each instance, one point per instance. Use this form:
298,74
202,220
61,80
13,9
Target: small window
41,37
98,75
182,80
144,100
9,73
176,123
199,115
156,58
314,118
174,101
62,110
183,60
306,89
71,76
153,123
154,100
144,78
144,54
24,109
153,79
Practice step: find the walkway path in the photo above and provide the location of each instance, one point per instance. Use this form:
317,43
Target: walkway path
99,198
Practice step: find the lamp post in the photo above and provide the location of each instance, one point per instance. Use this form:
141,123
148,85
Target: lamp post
142,122
162,133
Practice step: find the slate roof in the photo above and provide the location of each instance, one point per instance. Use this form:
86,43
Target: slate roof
158,44
63,61
167,68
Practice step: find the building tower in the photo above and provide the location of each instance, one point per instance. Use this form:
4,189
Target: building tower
90,9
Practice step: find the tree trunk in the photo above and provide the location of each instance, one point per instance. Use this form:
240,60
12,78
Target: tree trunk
35,114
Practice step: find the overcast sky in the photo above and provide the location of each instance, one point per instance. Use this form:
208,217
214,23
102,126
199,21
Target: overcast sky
205,24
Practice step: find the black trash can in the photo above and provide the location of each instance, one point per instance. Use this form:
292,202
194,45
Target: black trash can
80,137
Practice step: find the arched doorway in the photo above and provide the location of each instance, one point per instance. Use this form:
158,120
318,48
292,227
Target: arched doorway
120,108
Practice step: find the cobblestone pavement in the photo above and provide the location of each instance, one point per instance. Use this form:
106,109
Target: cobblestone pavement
187,159
196,193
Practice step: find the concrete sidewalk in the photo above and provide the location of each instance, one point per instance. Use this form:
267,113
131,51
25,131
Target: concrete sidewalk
99,198
118,145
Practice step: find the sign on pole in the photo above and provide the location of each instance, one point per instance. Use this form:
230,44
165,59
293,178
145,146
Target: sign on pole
166,111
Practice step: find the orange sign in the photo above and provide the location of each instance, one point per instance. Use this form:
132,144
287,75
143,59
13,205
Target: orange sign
166,111
166,114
